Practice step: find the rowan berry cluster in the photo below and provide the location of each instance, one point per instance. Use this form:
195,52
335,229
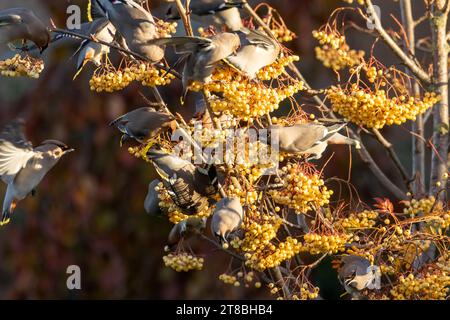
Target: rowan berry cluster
183,262
19,66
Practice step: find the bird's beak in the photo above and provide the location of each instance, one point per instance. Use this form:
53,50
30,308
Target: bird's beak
69,151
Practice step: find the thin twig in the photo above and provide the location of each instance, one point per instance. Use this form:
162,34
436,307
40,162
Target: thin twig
418,71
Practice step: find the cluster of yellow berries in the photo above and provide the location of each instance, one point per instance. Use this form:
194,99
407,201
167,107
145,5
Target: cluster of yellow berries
302,192
243,98
373,73
320,244
335,52
258,235
440,222
229,279
361,220
430,286
109,79
306,293
175,213
281,33
235,280
237,190
183,262
275,70
275,255
166,29
376,109
19,66
277,26
421,206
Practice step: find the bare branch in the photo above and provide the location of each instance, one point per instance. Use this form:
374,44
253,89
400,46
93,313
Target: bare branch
418,71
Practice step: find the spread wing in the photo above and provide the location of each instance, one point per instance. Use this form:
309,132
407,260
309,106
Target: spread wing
15,151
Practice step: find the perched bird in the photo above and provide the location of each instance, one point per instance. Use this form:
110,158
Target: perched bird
142,124
22,24
256,52
135,26
90,51
151,204
309,138
201,54
188,186
184,230
218,13
356,274
227,218
22,167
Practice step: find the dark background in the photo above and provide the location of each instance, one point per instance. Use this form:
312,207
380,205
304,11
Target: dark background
89,210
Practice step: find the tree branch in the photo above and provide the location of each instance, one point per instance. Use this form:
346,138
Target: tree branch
439,166
410,63
393,155
363,153
418,145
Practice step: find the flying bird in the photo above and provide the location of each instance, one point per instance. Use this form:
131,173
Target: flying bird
227,218
142,124
135,26
309,138
23,24
22,166
201,54
218,13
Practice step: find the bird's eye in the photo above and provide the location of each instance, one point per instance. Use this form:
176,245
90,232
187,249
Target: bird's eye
57,153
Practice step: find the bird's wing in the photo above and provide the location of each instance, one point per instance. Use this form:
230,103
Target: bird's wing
97,26
8,19
203,8
258,38
95,10
136,6
183,45
15,151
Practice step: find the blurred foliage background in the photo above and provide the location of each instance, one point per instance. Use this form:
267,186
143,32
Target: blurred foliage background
89,210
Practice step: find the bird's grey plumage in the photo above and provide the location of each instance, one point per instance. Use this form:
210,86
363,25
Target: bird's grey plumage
256,52
184,230
22,167
211,12
202,54
90,51
142,124
227,218
356,274
151,204
187,186
309,138
135,25
23,24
